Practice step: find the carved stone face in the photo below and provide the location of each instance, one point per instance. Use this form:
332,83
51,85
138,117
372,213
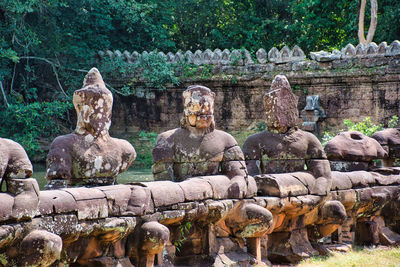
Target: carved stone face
281,106
198,105
93,105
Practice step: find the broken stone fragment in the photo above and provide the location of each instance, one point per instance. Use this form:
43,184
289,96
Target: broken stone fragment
14,162
281,105
390,140
323,56
354,146
89,155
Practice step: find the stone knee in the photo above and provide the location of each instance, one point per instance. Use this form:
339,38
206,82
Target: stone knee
153,237
40,248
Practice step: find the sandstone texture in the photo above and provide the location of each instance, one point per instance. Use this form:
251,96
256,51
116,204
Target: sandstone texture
89,155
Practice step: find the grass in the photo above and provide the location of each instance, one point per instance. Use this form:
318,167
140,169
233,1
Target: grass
359,257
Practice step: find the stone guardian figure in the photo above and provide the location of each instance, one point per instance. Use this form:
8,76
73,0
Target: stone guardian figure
89,156
198,149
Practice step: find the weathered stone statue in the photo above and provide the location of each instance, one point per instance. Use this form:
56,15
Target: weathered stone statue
198,149
283,147
89,155
196,154
291,164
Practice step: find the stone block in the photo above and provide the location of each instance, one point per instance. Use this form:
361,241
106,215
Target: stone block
25,205
18,186
393,49
381,179
274,204
171,216
361,178
92,208
323,56
348,51
305,177
319,167
83,193
280,185
117,197
347,197
56,201
165,193
196,189
219,184
261,55
7,202
65,225
340,181
347,166
140,201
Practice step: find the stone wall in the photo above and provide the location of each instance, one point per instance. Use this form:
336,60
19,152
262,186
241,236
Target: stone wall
353,83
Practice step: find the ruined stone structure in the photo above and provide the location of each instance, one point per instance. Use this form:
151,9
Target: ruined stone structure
89,155
351,84
213,212
277,157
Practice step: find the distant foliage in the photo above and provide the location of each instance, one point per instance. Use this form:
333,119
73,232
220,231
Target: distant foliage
29,124
366,126
46,46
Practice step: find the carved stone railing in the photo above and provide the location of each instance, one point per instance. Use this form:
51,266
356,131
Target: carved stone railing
104,225
243,57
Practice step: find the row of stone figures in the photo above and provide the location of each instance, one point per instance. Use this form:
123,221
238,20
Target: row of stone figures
243,57
212,204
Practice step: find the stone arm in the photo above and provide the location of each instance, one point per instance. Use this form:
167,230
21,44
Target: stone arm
318,165
252,154
59,159
234,166
14,162
163,159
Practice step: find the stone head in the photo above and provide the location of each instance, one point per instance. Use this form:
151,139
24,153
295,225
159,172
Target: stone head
198,108
281,106
93,105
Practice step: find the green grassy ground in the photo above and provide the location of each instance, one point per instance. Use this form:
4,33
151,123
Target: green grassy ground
377,257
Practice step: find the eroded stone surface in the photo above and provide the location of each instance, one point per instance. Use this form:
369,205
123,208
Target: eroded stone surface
354,146
14,162
89,155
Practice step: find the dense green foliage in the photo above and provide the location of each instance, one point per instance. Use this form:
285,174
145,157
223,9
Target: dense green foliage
47,45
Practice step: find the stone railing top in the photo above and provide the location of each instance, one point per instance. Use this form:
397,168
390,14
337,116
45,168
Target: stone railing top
242,57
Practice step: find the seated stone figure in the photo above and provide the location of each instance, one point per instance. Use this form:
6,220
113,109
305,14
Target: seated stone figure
283,147
197,148
196,151
291,164
89,155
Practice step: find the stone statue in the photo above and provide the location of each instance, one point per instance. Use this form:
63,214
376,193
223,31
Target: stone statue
291,164
197,148
89,155
283,147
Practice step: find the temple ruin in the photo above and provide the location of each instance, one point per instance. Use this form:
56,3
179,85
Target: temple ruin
211,203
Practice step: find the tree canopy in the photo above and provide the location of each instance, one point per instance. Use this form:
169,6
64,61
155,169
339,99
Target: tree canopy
45,44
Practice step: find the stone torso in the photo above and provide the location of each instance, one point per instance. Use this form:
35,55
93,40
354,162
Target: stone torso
281,153
192,155
79,157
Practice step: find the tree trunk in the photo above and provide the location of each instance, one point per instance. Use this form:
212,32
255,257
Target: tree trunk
372,25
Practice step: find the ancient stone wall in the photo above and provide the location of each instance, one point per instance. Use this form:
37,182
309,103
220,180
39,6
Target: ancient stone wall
353,83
